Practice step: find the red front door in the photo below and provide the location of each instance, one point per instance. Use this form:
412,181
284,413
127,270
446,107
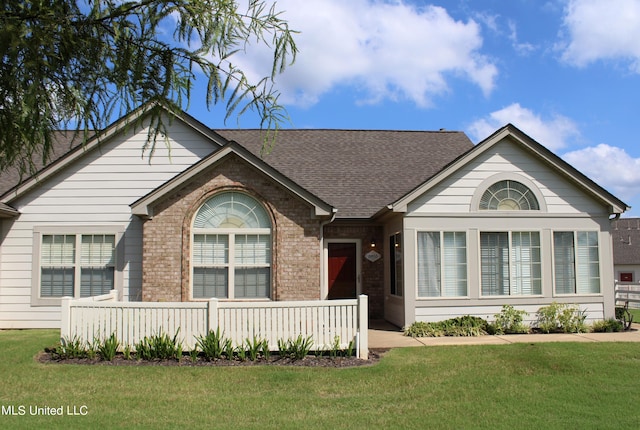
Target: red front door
342,271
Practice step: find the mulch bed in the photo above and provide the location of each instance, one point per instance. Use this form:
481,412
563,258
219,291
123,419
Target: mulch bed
275,360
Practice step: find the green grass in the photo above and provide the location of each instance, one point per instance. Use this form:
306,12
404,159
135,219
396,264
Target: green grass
636,315
549,385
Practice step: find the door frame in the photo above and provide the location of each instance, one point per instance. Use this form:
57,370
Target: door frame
324,288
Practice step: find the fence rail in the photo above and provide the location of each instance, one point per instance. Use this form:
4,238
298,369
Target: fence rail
628,293
323,320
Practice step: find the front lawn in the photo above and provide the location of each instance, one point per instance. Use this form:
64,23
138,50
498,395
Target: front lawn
548,385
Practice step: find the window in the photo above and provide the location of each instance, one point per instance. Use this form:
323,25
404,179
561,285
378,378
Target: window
510,263
577,262
231,252
508,196
395,264
442,264
76,265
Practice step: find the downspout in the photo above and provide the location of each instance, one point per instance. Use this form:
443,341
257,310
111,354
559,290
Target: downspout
334,211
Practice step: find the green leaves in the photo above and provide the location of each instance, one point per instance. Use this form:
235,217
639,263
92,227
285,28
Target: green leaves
77,64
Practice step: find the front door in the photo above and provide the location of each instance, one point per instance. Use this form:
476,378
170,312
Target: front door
342,270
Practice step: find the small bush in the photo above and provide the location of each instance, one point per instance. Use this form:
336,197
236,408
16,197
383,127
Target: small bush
213,345
624,316
109,347
561,317
70,348
253,347
159,347
509,321
297,348
460,326
607,326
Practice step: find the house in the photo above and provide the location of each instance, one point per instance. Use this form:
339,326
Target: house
426,224
626,250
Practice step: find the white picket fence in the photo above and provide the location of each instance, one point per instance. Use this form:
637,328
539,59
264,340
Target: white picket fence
628,293
323,320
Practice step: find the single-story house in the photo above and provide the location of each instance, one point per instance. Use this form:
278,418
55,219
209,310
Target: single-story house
426,224
625,233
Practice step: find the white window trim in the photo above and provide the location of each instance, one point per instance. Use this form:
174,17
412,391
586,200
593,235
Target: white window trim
575,241
542,264
507,176
231,233
441,297
39,231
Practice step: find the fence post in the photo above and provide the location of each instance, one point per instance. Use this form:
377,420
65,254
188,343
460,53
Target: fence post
363,326
65,318
212,320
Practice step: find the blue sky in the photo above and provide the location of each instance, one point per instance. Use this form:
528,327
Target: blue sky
566,72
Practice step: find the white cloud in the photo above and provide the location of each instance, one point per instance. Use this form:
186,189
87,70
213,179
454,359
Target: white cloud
521,48
602,30
386,50
609,166
553,132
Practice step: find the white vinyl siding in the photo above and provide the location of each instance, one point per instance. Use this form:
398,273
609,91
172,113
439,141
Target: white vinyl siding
455,193
576,262
442,264
97,189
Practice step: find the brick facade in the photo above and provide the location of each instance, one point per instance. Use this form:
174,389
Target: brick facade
295,235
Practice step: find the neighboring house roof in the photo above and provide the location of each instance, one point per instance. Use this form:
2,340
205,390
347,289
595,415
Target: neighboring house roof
509,131
625,234
357,171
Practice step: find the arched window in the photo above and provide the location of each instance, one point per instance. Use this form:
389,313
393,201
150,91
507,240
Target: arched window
231,248
508,195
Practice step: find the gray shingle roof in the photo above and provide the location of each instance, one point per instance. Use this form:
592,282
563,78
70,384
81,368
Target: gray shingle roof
358,172
625,233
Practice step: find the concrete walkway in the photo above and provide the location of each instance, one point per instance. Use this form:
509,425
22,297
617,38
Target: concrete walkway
385,335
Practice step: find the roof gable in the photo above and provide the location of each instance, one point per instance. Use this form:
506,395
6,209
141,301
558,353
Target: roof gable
69,147
143,207
517,137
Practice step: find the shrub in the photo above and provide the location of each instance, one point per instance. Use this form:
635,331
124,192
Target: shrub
509,321
213,344
297,348
70,348
159,347
624,316
561,317
460,326
109,347
254,346
607,326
